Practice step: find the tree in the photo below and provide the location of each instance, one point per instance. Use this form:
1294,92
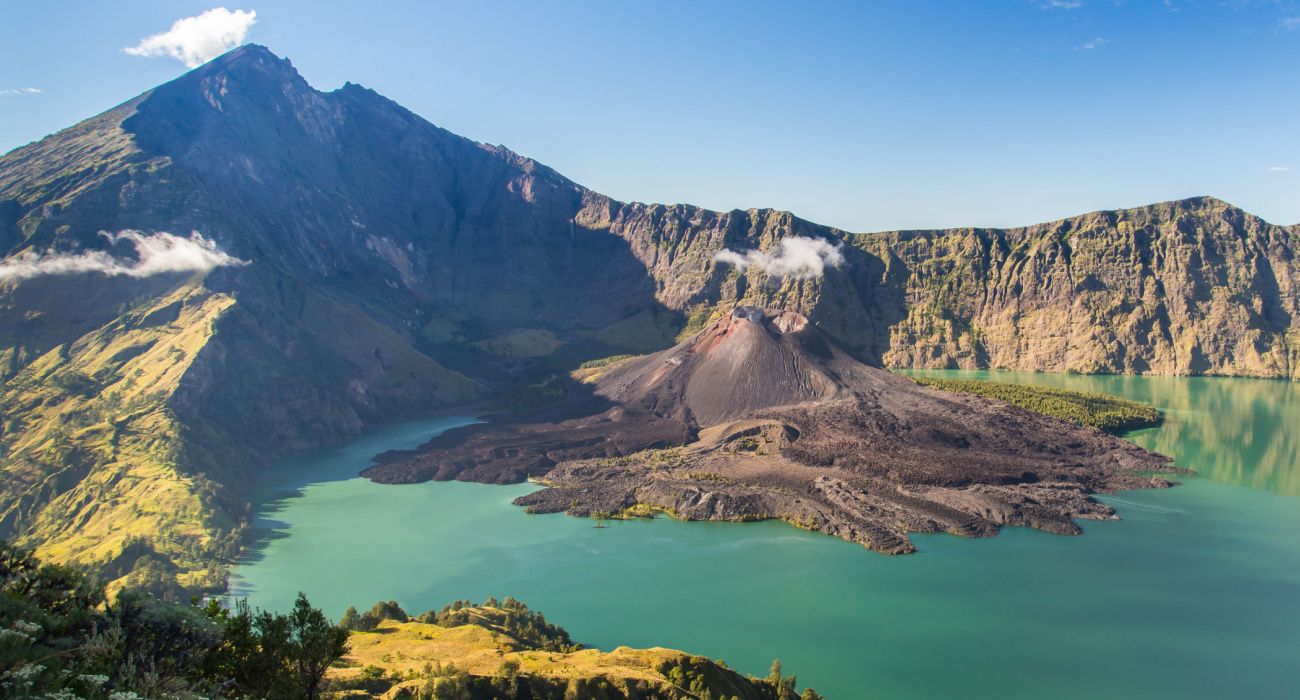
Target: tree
774,675
351,620
316,643
370,619
49,616
446,682
783,685
506,677
388,610
172,642
60,640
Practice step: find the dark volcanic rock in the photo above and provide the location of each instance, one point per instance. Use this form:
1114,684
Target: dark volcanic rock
761,415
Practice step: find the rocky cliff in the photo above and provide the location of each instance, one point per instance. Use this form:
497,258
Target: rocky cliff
1189,287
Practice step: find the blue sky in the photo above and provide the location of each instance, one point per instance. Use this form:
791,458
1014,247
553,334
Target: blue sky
867,116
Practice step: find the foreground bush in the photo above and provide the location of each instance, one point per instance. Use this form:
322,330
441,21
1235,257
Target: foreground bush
60,639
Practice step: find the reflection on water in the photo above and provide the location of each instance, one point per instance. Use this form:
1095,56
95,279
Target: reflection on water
1232,431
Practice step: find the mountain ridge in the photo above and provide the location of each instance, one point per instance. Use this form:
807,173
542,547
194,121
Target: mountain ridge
394,267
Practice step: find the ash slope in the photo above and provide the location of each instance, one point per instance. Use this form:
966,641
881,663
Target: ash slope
762,415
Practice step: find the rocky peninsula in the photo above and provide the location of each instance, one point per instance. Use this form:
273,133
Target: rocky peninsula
762,415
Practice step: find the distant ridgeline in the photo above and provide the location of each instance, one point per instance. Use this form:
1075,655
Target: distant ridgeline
234,266
61,637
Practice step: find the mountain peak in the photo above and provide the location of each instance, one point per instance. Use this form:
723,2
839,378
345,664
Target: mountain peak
748,360
238,96
251,66
248,55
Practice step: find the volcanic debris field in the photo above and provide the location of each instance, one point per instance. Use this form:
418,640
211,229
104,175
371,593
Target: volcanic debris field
761,415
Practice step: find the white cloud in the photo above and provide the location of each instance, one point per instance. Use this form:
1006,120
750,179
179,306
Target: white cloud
1279,169
1094,44
199,39
798,257
1061,4
21,91
155,254
1289,24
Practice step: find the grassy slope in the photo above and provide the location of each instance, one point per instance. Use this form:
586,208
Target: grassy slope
402,650
134,411
131,429
89,445
1100,411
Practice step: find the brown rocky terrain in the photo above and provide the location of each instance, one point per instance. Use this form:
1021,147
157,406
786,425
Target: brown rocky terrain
762,415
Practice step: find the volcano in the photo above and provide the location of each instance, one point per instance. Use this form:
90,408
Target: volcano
762,415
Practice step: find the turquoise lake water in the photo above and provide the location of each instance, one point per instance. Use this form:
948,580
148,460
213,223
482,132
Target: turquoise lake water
1195,593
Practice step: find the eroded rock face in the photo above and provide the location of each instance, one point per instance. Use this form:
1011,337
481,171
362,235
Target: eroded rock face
1189,287
1194,286
761,415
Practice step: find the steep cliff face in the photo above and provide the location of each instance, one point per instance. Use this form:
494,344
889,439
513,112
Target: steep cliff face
1188,287
856,302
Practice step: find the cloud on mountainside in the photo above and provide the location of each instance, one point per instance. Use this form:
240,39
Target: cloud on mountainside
156,253
199,39
798,257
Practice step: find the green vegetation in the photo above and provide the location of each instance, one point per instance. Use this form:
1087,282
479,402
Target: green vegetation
521,343
60,638
1100,411
383,610
697,318
473,662
508,617
90,423
640,510
591,371
604,361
